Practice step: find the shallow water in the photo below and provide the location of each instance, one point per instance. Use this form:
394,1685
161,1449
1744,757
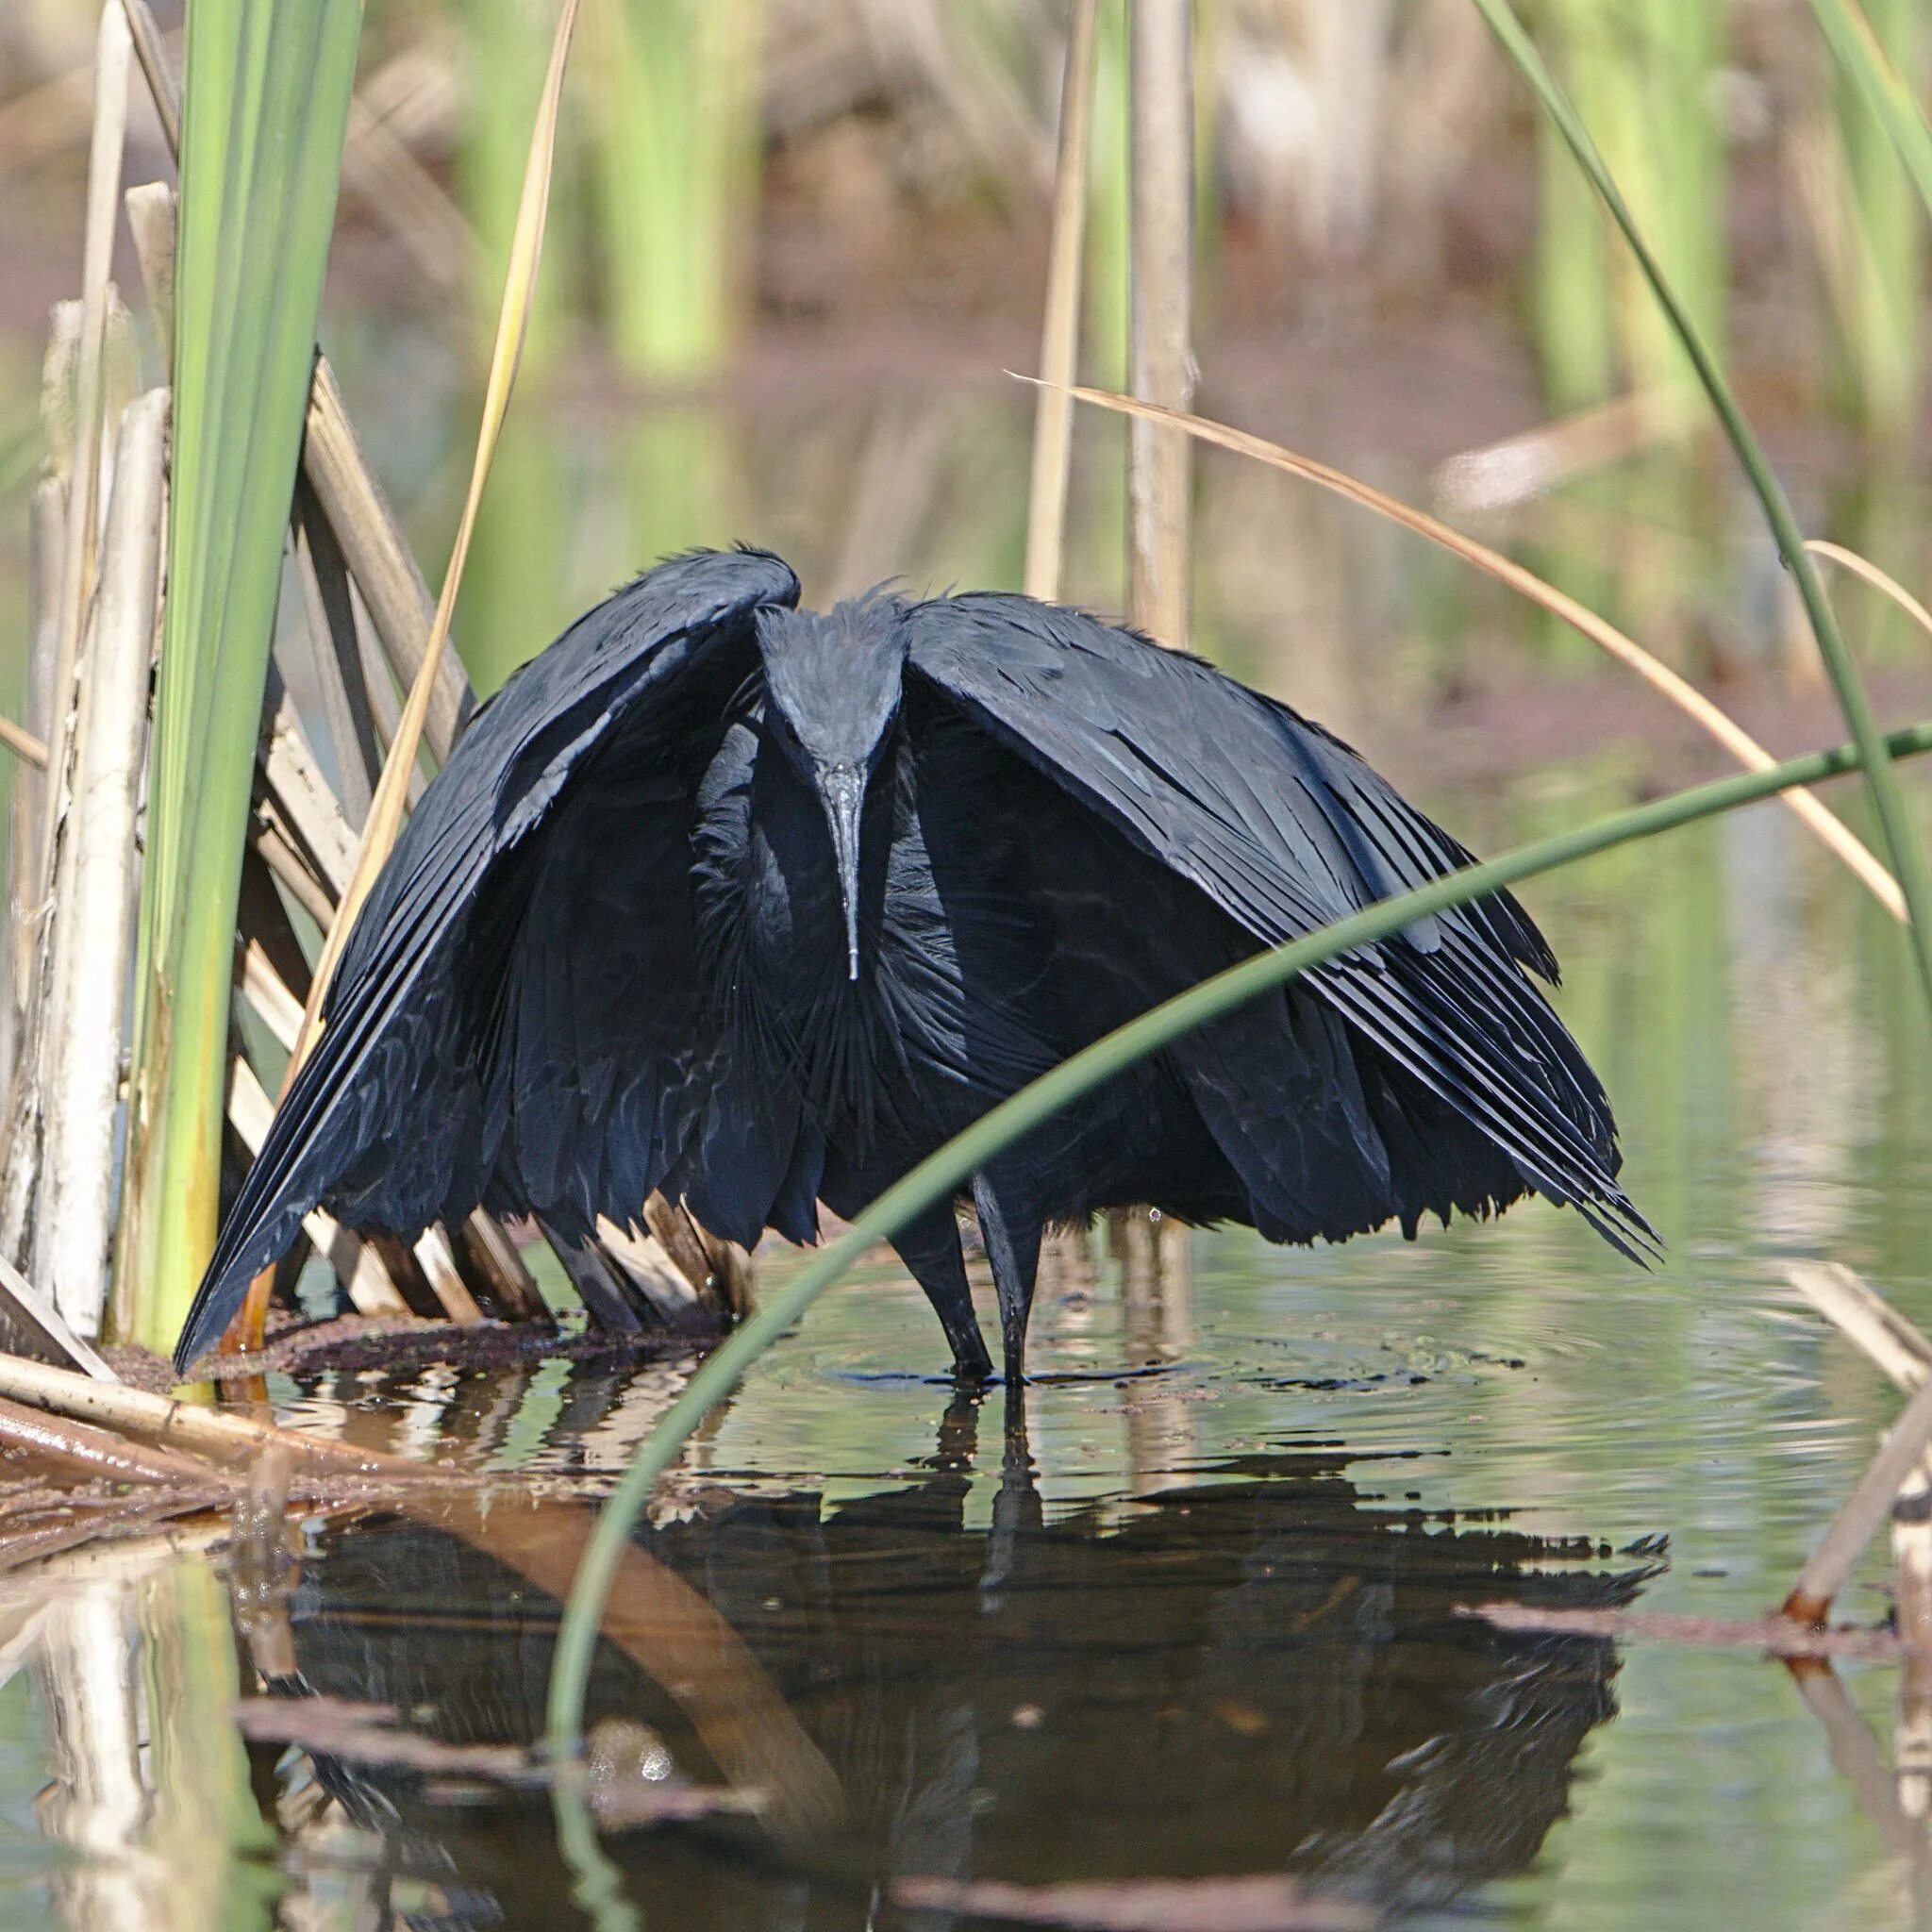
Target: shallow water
1202,1620
1200,1617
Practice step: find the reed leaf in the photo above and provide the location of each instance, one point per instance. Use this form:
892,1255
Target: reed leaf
1859,52
1895,819
266,104
1883,151
942,1175
676,104
1881,581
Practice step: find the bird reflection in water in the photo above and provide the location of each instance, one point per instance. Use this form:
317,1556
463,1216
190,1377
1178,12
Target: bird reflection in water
1263,1671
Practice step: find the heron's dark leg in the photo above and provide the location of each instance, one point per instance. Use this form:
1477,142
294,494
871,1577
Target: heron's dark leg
1011,1231
929,1246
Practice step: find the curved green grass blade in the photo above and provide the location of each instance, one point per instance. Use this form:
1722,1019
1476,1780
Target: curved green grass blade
266,103
940,1176
1901,835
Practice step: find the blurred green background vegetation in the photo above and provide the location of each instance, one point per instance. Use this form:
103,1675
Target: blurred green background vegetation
795,241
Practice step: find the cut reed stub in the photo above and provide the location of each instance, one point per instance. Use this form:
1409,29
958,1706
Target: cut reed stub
1902,1469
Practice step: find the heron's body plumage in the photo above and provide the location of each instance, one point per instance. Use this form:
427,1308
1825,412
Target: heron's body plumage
759,908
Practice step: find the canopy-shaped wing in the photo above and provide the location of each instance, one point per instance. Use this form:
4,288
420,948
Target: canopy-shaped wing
519,982
1287,830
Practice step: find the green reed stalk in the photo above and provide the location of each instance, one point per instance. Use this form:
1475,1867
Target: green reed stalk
943,1175
1887,154
266,101
1901,835
1641,72
1871,64
1683,51
1574,314
677,105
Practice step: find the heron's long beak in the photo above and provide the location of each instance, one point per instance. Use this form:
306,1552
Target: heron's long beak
841,791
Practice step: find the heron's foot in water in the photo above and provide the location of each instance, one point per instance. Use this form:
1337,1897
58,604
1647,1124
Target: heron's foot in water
971,1365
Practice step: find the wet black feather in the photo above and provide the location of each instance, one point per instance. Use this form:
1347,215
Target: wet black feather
609,952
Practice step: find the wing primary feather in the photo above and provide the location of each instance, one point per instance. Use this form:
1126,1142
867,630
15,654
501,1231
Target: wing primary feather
598,684
1287,830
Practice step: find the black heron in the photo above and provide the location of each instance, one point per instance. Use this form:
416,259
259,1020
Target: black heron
758,908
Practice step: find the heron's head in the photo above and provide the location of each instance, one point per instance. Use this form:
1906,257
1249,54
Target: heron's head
833,685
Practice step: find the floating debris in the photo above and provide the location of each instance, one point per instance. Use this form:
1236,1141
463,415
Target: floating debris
1145,1905
1778,1636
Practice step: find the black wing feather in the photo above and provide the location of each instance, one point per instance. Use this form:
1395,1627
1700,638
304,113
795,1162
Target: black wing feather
398,1114
1287,830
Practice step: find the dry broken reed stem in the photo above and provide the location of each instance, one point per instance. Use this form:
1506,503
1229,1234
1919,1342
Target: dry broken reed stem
94,914
330,608
76,422
1863,1512
519,283
103,1454
276,850
218,1434
303,796
150,207
29,788
437,1259
1825,825
269,993
1502,474
30,1325
1865,1318
23,743
30,864
485,1248
113,50
1879,580
1160,299
380,562
151,50
1059,337
1888,1339
357,1264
